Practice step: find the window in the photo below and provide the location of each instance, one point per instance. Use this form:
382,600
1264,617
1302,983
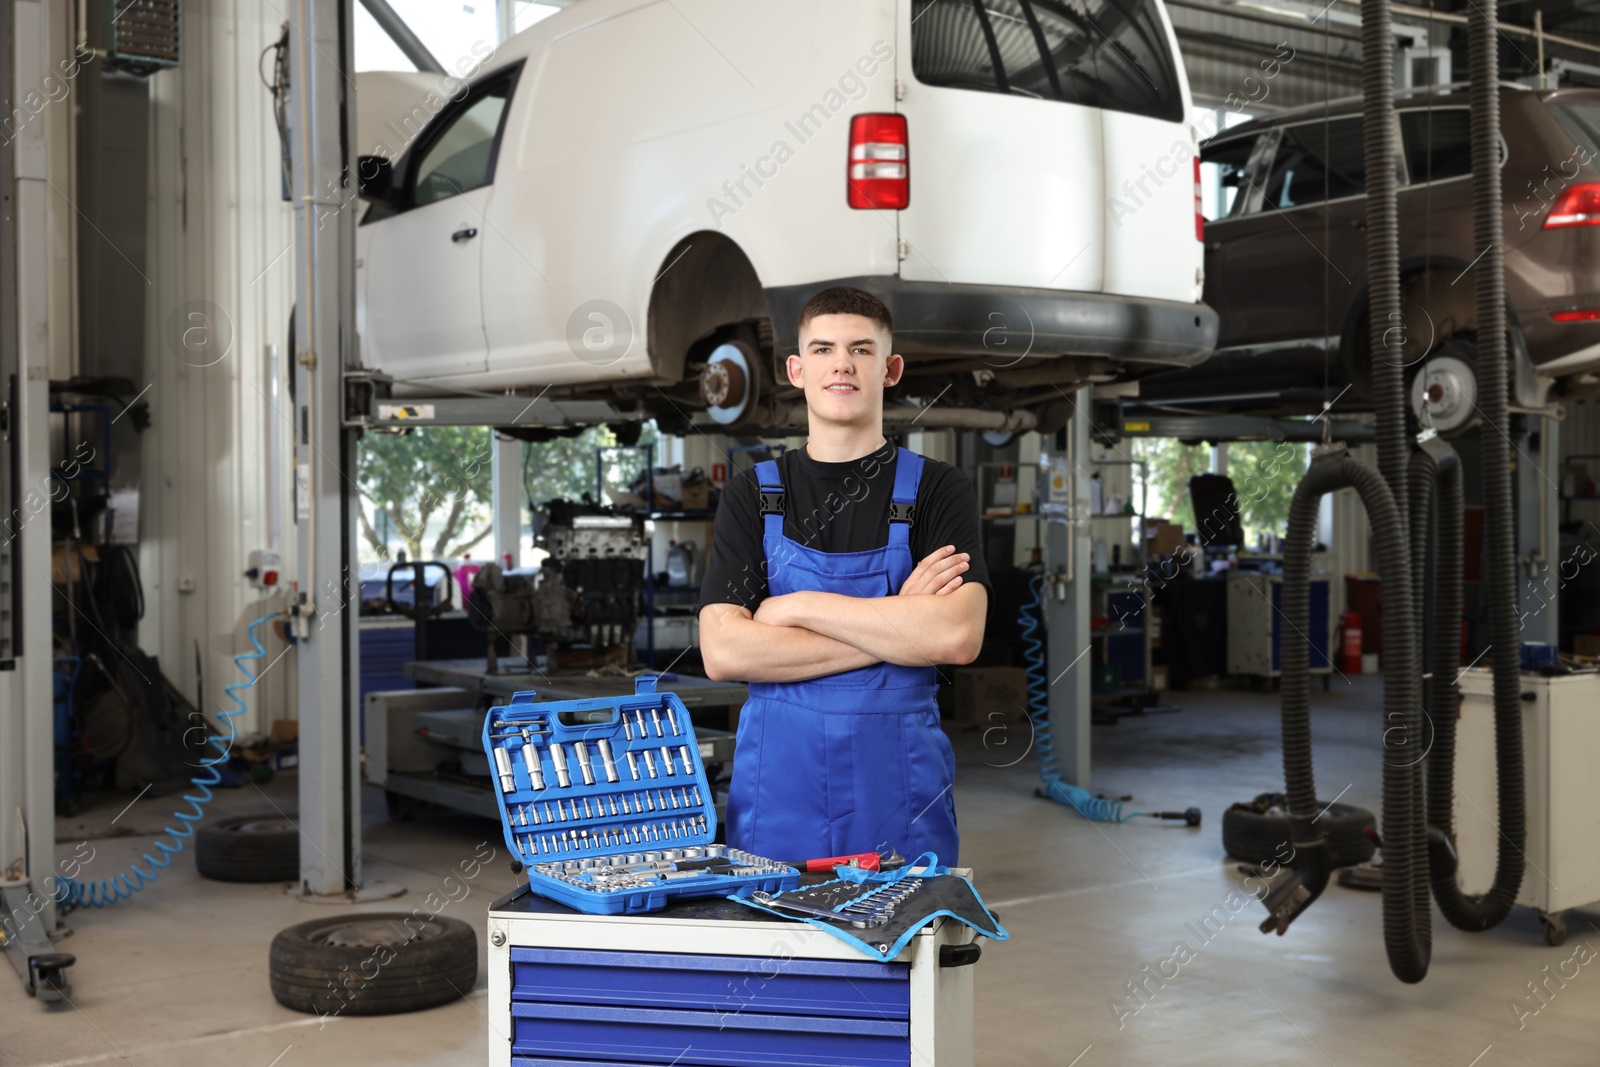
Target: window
1316,161
1438,143
1581,119
461,157
525,13
1222,174
1101,53
459,35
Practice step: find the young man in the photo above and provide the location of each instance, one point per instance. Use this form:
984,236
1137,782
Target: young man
813,595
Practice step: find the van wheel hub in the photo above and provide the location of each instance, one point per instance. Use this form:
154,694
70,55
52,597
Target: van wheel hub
725,384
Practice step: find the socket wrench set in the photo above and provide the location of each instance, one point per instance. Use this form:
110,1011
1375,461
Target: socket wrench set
606,803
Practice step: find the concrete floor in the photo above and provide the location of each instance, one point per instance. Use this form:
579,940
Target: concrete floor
178,976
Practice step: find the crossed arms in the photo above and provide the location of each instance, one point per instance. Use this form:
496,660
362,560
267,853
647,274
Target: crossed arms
936,618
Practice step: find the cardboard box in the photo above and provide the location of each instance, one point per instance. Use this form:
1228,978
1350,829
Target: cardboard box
1586,645
1162,538
696,490
985,695
58,562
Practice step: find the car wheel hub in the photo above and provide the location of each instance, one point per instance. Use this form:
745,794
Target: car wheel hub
1445,393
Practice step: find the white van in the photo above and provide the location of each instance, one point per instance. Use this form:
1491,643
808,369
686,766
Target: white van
633,199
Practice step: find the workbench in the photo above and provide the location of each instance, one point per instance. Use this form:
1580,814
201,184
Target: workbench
712,982
409,732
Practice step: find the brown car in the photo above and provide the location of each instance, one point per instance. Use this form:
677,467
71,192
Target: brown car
1285,254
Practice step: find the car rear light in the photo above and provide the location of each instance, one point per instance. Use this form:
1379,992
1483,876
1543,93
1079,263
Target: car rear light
880,162
1578,205
1199,217
1580,315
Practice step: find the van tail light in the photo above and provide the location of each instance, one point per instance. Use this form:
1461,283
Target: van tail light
1579,315
880,162
1199,217
1578,205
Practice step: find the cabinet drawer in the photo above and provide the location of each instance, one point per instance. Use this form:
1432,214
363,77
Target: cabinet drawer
555,1033
768,985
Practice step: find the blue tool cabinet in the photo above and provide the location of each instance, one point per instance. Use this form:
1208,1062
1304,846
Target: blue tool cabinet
711,983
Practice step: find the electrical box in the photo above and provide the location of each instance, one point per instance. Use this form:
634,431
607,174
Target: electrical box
265,569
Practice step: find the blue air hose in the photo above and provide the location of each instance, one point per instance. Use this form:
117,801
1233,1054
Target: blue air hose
1100,809
98,893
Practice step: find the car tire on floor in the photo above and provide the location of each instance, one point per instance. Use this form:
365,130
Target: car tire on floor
1252,836
249,848
381,963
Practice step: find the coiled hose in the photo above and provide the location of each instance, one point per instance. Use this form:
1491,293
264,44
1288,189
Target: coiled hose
1495,450
97,893
1085,803
1436,463
1408,935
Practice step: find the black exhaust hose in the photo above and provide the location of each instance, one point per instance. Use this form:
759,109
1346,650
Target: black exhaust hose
1407,930
1464,912
1424,470
1385,328
1436,550
1406,913
1495,449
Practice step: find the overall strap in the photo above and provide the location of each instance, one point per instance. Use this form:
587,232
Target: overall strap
902,514
770,497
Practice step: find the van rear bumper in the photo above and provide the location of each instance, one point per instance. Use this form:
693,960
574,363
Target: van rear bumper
1008,322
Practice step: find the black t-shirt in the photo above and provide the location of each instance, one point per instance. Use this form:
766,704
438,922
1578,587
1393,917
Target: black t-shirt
838,507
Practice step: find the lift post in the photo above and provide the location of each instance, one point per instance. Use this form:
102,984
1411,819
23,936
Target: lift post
27,782
1066,594
321,114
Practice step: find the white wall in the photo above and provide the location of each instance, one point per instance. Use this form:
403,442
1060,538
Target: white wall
218,233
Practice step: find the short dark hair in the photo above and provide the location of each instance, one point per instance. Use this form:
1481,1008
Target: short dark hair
847,300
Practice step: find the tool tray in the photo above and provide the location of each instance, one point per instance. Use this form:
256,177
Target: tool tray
606,803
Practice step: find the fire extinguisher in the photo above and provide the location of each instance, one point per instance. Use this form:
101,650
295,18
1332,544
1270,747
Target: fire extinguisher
1350,648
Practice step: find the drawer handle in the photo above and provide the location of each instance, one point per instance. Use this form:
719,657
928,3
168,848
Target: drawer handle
959,955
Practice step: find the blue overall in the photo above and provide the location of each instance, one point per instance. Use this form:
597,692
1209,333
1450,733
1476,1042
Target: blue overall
853,761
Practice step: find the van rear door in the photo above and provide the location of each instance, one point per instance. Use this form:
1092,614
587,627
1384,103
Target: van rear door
1023,115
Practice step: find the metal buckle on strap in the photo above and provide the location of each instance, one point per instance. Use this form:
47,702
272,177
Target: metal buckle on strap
773,503
906,513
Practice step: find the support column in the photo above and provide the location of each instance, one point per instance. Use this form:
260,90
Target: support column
325,617
1066,556
1538,496
31,231
506,481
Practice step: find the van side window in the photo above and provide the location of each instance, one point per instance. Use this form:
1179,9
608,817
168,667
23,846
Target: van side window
461,157
1316,161
1109,54
1222,175
1438,143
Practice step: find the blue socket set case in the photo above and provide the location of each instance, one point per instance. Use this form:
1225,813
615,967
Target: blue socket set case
606,803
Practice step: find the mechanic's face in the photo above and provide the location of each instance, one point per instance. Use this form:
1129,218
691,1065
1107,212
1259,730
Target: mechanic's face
844,366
